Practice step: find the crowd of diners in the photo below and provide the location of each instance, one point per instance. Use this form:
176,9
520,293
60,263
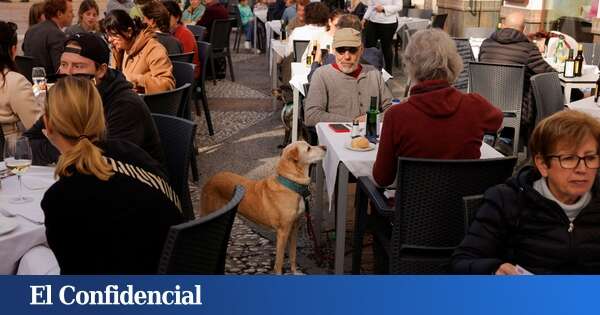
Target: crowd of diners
94,126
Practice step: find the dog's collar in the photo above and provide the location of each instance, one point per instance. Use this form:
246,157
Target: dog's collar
301,189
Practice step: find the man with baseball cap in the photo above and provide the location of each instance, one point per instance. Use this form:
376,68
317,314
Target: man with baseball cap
342,91
127,116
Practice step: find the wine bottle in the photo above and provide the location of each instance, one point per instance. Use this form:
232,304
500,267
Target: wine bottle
579,61
569,71
371,129
283,25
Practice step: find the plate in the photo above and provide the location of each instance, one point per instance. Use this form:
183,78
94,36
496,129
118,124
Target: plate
7,225
349,147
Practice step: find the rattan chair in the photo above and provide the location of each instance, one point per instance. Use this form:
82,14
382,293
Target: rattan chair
219,40
471,204
548,94
466,53
183,57
502,85
204,51
200,246
25,66
234,12
420,232
198,31
176,137
591,53
168,102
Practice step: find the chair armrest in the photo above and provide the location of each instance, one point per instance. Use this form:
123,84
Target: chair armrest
378,199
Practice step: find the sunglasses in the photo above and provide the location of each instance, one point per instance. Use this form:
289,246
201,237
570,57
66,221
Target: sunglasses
343,50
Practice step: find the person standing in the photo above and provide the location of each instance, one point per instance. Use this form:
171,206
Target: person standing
381,21
44,41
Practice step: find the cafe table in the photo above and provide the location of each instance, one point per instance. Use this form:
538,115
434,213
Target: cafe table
23,234
338,164
586,105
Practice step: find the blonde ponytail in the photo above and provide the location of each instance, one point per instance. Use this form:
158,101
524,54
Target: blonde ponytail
74,109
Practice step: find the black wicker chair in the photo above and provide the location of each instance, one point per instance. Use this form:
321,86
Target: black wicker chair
25,65
183,57
466,53
420,232
234,13
176,136
219,39
198,31
548,94
200,246
204,52
167,103
184,73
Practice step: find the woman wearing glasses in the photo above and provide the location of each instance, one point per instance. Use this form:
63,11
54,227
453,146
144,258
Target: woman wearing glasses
17,104
142,59
546,219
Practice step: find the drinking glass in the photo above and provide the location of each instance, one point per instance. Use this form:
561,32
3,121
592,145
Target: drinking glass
17,156
38,76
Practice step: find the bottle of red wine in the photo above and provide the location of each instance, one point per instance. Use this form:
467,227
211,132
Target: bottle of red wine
371,129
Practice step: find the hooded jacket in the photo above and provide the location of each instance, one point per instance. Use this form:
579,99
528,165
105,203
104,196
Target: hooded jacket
436,122
146,64
127,118
511,46
517,225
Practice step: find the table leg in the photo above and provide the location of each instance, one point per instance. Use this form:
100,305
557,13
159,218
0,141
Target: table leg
295,114
255,35
340,224
274,81
320,206
567,94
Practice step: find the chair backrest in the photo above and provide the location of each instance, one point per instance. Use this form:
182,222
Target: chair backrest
471,204
204,50
406,34
466,53
234,12
183,57
176,137
548,94
25,65
502,85
198,31
574,27
184,73
219,33
478,32
166,103
420,13
439,20
200,246
429,218
299,49
591,53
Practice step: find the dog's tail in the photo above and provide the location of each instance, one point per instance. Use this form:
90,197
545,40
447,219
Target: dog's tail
217,191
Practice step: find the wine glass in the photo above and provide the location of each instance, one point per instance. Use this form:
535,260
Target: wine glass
17,156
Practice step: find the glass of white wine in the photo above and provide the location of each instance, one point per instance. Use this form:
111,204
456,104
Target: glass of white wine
17,156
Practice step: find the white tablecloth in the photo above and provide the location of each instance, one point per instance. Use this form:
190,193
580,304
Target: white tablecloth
27,235
587,106
358,163
476,45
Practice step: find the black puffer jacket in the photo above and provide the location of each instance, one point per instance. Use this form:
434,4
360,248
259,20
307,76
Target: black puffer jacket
508,45
519,226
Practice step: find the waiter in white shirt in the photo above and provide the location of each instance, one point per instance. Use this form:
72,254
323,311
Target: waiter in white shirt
381,21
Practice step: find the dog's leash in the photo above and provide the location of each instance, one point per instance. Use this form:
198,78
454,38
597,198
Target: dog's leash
303,191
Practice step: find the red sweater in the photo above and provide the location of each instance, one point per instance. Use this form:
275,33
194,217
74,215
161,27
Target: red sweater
436,122
212,12
188,42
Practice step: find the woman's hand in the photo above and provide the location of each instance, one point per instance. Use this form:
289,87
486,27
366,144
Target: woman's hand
507,269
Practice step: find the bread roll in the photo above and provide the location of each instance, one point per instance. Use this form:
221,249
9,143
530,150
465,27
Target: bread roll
360,143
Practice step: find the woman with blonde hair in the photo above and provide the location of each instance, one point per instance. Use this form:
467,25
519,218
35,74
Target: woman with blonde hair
111,208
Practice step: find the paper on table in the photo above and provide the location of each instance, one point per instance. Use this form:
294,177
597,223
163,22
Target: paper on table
522,271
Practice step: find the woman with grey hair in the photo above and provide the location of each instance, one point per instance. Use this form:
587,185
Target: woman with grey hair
455,122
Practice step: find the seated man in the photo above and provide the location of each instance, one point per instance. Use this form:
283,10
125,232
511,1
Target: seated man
127,116
214,11
510,45
342,91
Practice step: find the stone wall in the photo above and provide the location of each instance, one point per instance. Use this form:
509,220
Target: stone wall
465,13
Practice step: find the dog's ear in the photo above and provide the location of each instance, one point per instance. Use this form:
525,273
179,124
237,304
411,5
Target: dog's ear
293,154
